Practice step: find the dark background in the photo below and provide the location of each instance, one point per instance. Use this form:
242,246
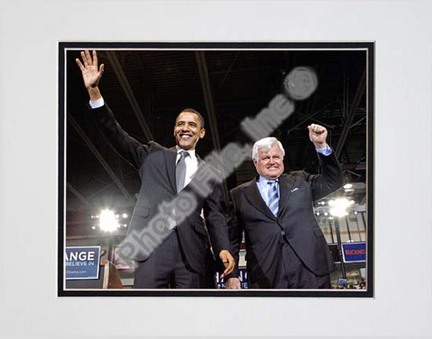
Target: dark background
147,89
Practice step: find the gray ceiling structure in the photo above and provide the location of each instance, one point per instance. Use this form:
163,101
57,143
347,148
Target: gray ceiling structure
146,89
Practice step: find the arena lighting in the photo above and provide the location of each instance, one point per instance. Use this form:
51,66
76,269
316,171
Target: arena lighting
339,206
108,221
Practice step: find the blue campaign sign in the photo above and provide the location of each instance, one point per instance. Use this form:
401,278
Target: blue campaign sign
354,252
82,262
242,276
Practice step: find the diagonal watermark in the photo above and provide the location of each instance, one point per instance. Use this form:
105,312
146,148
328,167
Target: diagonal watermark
299,84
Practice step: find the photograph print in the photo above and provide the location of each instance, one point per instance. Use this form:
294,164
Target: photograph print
216,169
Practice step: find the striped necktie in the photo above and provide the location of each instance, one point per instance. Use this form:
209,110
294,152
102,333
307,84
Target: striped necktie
273,196
181,171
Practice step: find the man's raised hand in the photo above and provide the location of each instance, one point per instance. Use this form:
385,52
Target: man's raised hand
90,71
318,135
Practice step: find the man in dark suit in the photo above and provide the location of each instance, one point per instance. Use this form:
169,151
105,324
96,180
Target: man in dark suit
168,236
285,247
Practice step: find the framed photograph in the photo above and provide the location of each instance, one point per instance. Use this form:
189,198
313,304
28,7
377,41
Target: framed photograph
245,92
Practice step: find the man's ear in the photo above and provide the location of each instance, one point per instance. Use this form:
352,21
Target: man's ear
202,133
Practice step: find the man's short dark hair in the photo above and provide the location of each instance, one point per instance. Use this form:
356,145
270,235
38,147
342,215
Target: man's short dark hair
194,111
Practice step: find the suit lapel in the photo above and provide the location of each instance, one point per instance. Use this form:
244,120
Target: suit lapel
286,182
253,195
170,164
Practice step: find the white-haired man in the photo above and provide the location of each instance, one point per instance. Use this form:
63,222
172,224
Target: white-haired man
285,247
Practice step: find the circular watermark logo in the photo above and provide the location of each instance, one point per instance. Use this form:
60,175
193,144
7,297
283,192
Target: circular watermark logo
300,83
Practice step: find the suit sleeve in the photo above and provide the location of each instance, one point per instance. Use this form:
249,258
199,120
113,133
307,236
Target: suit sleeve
129,148
329,180
216,218
235,232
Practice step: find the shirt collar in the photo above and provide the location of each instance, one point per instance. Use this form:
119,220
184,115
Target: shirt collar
191,152
263,180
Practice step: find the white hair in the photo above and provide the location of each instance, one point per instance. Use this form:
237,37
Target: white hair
266,144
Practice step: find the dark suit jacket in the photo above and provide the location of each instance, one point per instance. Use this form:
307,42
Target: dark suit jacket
265,233
148,225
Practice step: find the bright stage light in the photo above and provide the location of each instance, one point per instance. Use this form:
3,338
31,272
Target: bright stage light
108,221
339,207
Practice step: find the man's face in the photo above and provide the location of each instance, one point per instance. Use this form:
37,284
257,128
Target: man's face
187,130
270,163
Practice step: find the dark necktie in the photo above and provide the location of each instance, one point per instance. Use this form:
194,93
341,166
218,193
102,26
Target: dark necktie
181,171
273,196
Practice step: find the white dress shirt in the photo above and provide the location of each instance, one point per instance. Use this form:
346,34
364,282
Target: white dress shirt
263,188
191,164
